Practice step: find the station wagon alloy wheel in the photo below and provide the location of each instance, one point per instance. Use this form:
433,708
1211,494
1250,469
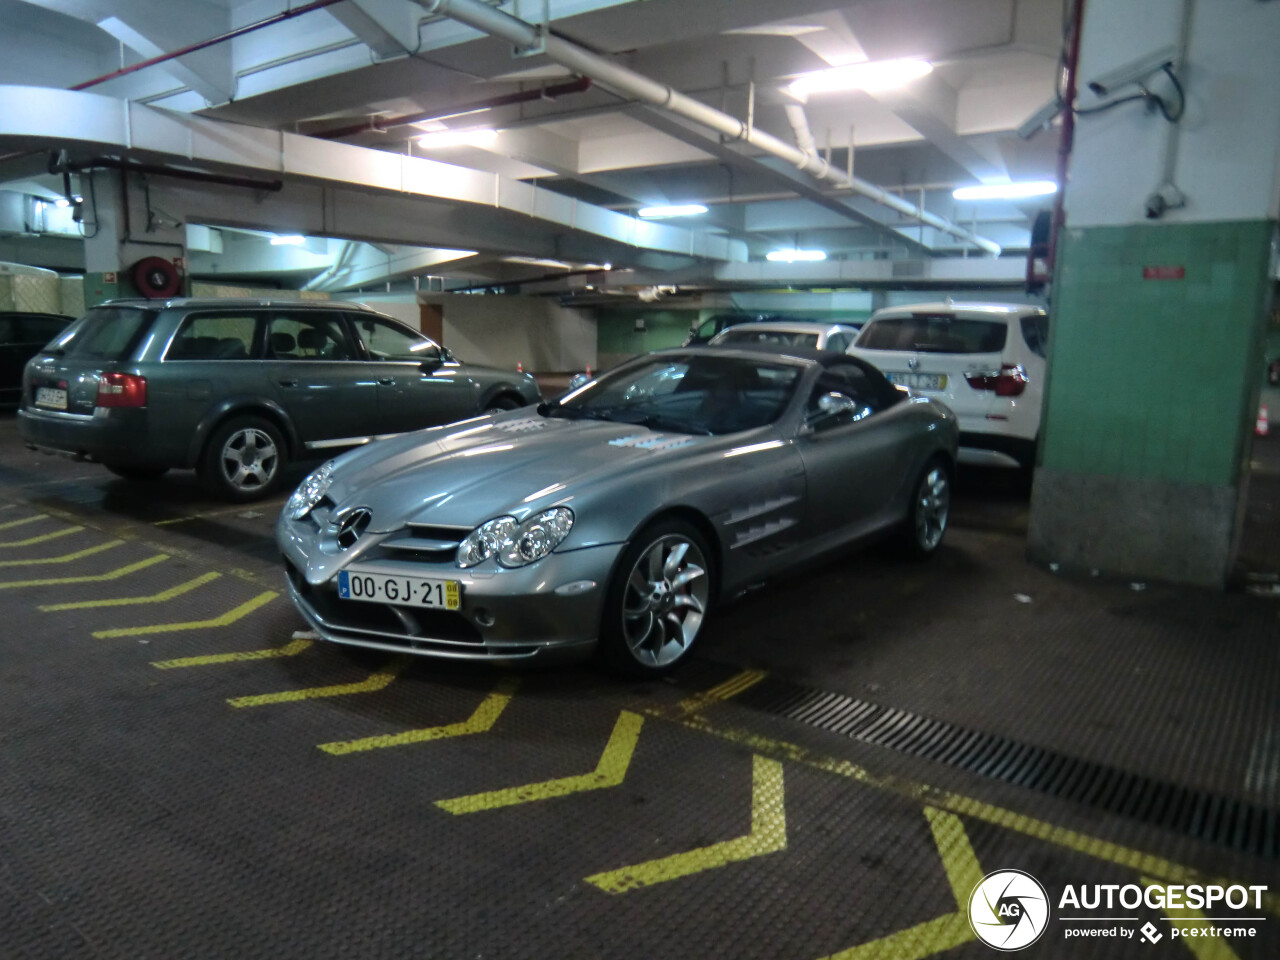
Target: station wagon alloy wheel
664,600
249,459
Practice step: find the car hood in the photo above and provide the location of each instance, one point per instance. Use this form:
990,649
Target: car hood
469,472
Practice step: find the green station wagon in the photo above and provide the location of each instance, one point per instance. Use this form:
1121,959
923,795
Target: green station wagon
237,388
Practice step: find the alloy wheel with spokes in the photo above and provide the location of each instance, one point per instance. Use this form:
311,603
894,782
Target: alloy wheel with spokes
658,601
930,507
245,458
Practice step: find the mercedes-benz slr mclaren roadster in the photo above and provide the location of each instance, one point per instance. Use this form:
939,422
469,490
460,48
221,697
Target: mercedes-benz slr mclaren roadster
614,517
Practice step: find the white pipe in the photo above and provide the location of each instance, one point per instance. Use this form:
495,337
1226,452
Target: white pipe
800,127
626,82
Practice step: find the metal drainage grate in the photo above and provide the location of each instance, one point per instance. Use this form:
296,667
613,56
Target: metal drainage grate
1197,813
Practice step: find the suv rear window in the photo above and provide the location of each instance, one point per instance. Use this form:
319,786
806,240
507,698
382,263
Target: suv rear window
1035,330
934,334
105,333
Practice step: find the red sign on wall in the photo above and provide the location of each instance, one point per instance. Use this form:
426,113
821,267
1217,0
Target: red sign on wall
1163,273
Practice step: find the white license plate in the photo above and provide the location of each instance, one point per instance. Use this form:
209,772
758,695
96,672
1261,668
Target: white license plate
405,591
919,381
51,397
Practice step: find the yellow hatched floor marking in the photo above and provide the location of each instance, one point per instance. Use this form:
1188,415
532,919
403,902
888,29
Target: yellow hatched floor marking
65,558
480,721
31,541
225,620
730,688
946,932
300,642
1146,864
160,597
609,772
375,682
9,525
115,574
768,835
1203,948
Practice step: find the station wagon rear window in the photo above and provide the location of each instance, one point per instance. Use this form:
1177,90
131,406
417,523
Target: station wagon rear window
105,333
934,334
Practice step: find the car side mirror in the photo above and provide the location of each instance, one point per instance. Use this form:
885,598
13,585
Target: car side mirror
831,409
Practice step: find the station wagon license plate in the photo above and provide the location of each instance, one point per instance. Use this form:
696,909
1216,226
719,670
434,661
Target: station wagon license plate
919,381
51,397
405,591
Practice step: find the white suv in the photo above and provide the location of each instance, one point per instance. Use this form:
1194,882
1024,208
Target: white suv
986,361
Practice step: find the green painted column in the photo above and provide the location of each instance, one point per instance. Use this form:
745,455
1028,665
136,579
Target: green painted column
1159,316
121,228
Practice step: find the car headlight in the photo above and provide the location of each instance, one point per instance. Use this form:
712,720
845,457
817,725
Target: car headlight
516,544
310,491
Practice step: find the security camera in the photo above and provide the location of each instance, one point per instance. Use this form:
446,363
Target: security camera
1040,120
1166,197
1135,71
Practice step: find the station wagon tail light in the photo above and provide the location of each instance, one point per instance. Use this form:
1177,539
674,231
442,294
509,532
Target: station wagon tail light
1009,381
516,544
121,390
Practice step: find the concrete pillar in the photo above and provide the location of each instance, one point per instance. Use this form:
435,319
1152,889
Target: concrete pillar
1158,324
122,226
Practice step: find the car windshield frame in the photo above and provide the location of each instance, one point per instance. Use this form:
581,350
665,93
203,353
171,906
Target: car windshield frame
708,393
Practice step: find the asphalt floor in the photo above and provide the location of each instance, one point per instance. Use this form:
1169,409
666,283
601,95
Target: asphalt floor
188,773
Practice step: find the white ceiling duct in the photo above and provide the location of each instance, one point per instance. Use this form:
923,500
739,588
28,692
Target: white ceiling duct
628,83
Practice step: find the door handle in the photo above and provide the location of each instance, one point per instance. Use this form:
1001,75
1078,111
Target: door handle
386,381
289,382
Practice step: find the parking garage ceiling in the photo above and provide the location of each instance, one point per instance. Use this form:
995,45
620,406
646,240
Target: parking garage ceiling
395,76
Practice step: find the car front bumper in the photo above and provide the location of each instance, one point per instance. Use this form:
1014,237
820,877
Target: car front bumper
551,608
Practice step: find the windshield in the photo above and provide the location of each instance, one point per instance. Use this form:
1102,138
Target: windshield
736,336
700,394
104,333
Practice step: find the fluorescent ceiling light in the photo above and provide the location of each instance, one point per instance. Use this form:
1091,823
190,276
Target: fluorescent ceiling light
1006,191
62,202
537,262
871,75
791,256
458,138
777,30
671,210
289,240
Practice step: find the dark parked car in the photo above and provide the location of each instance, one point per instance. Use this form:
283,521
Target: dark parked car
21,337
237,388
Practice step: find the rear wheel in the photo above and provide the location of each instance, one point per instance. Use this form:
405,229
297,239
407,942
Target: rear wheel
244,459
657,601
136,473
921,533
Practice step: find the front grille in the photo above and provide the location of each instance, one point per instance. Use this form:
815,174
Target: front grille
426,542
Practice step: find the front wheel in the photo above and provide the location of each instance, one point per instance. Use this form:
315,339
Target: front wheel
926,521
657,600
501,404
244,459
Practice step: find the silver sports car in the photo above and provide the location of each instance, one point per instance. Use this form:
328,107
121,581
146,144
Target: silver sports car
613,518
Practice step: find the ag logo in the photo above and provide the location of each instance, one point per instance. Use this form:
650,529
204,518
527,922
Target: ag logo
1008,910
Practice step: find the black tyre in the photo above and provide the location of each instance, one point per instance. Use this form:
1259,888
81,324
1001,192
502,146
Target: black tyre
136,473
926,522
501,403
244,459
657,601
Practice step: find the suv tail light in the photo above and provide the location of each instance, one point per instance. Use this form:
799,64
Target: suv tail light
121,390
1009,381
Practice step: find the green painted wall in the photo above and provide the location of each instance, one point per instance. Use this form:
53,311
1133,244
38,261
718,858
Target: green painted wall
1156,378
616,332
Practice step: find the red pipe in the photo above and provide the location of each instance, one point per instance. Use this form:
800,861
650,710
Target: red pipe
1067,139
524,96
212,41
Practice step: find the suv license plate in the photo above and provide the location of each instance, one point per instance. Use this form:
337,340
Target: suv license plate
919,381
405,591
51,397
